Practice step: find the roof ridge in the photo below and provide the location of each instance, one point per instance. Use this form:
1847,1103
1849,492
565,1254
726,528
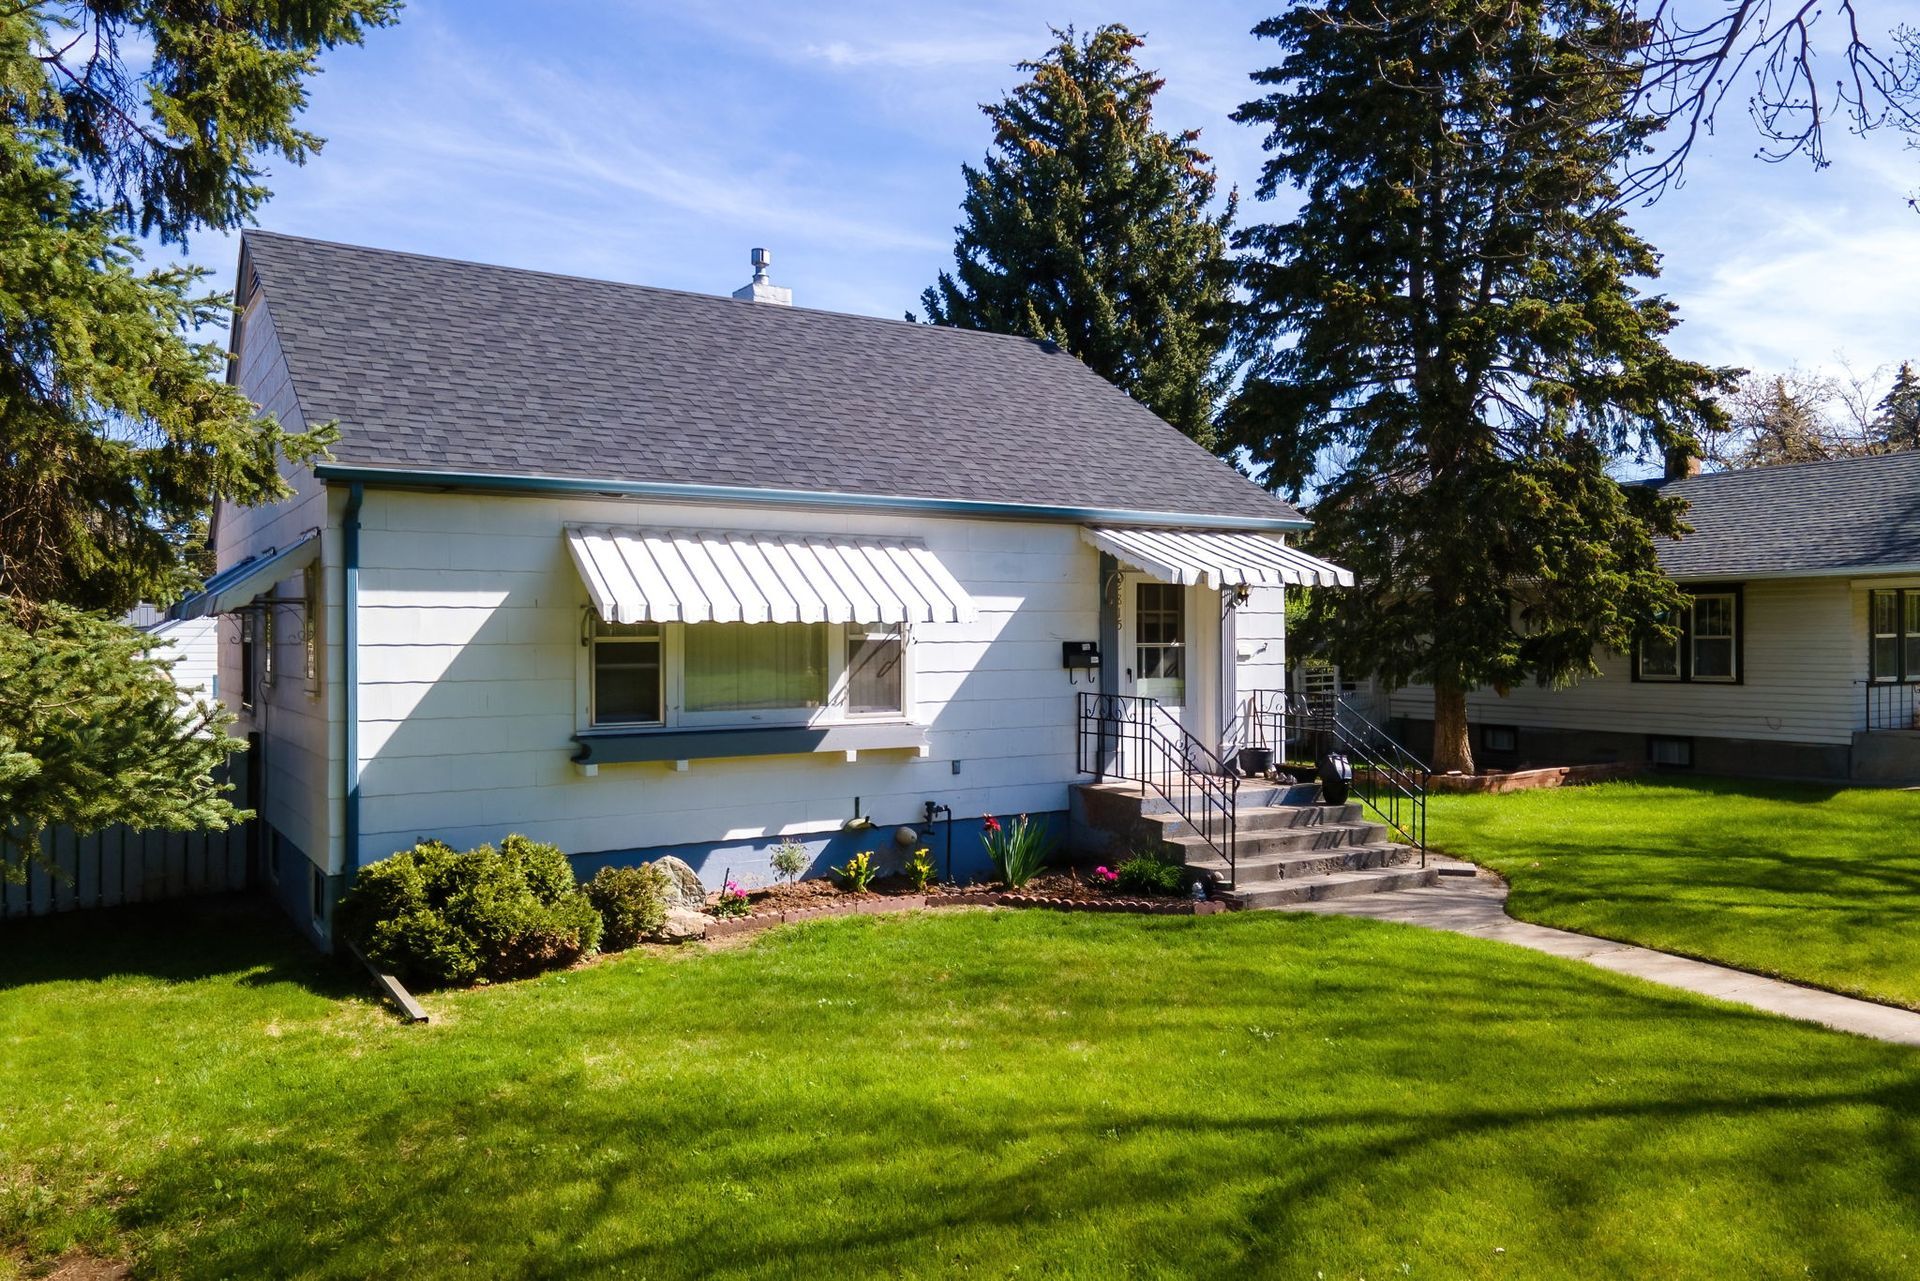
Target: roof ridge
261,233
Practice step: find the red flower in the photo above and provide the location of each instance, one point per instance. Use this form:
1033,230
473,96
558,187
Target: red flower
992,824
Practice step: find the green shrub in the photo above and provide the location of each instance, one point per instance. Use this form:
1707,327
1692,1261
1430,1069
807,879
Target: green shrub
1147,874
436,916
632,902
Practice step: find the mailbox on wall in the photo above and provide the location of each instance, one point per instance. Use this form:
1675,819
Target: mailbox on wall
1080,656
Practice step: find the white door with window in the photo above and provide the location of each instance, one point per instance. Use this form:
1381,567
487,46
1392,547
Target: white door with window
1154,644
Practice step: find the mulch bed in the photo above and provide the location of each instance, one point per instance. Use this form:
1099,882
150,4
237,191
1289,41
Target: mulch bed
1068,891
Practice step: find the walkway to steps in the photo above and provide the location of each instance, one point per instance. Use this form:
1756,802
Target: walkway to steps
1477,905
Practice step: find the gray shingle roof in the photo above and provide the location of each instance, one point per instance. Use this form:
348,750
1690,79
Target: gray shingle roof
1804,518
432,364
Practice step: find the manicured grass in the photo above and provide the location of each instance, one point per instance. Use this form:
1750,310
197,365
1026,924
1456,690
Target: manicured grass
1819,884
1259,1094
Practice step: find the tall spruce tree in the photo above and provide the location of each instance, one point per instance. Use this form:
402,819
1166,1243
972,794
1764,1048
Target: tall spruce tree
117,435
1452,312
1896,422
1088,226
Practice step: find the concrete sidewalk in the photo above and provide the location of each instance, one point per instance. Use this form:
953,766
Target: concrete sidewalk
1477,906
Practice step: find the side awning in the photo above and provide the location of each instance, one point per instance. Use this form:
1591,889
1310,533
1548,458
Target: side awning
1217,558
236,586
704,575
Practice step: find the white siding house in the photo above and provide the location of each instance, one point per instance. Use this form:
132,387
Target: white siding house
427,646
1796,559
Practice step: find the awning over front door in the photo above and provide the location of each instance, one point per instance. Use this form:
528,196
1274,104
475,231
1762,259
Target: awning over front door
707,575
1217,558
236,586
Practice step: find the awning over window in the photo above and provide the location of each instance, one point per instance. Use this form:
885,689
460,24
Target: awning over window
1217,558
236,586
703,575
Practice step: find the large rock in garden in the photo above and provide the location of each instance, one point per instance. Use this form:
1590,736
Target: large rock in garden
683,884
683,925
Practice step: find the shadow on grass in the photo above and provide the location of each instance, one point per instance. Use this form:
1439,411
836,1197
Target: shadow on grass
770,1120
181,941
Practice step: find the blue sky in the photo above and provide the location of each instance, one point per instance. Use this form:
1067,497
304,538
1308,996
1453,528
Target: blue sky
657,142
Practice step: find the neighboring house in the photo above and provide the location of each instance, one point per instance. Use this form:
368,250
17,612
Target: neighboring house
1800,654
637,571
190,643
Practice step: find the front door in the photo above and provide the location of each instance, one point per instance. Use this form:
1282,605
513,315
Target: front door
1153,644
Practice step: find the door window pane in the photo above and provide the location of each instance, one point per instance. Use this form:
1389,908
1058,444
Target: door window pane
626,674
741,667
1160,624
873,670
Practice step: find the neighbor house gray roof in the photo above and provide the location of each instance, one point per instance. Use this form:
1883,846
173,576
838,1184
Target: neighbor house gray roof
435,365
1803,518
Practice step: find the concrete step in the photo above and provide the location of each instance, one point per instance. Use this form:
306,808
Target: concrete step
1249,823
1262,869
1312,889
1285,840
1251,794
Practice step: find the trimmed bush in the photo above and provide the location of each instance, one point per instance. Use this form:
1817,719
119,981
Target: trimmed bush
1145,874
436,916
632,902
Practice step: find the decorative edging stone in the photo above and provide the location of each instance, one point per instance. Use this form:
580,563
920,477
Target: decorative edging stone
884,905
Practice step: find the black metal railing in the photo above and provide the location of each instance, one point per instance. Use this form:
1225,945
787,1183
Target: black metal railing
1127,737
1890,705
1387,778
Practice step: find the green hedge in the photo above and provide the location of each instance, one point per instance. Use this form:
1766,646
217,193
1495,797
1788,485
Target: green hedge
437,916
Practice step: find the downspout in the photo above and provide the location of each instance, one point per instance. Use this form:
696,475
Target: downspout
350,604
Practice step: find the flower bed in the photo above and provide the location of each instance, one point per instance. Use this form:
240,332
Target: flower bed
1060,890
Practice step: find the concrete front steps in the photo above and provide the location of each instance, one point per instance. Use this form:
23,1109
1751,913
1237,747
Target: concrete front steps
1290,848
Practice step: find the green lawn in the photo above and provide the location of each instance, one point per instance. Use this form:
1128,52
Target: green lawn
1259,1094
1818,884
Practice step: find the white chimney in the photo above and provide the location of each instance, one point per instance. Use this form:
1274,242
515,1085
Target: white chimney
762,289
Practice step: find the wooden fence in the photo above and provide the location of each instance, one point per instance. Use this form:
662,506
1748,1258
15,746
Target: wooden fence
119,865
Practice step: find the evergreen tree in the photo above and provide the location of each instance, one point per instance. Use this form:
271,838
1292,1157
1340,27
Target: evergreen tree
117,434
1089,227
93,731
1896,424
1451,311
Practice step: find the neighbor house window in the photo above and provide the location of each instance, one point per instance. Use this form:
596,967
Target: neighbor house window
1708,647
1160,655
310,627
1499,738
626,673
1676,752
266,646
1894,619
754,667
246,663
875,682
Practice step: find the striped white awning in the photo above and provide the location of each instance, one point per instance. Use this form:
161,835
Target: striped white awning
727,576
1217,558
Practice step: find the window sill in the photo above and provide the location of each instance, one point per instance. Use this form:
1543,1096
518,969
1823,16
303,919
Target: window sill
620,746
